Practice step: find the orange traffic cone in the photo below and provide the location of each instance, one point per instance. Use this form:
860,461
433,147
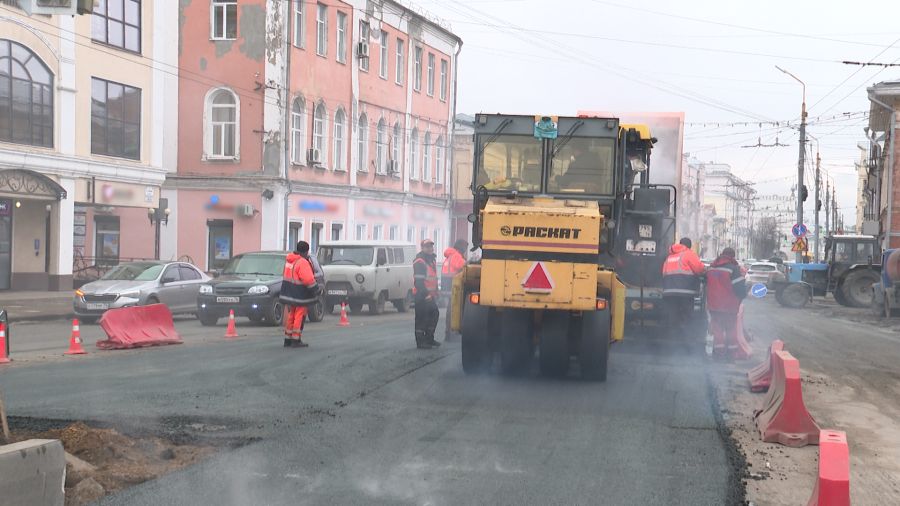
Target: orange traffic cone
4,353
75,341
344,321
231,331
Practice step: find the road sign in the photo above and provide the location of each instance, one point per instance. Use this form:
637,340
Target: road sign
800,245
799,230
759,290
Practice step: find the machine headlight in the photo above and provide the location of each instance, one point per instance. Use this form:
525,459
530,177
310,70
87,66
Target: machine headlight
258,290
207,289
360,278
131,295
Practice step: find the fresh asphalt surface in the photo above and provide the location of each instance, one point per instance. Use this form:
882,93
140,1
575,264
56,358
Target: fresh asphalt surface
362,417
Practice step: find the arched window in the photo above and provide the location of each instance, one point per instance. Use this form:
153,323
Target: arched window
26,96
414,154
395,143
362,139
298,131
222,139
320,117
426,165
380,147
340,123
439,160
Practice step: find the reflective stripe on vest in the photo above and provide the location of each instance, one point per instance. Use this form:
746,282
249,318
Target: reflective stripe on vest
676,265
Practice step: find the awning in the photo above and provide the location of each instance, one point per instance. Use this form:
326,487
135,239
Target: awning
23,182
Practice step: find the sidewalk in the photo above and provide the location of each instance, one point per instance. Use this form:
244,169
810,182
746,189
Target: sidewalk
37,305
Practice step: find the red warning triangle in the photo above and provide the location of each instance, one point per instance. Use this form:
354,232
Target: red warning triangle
538,279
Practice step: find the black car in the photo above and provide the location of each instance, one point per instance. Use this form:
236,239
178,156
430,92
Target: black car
250,285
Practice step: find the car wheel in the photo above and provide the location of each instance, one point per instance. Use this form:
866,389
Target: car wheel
275,313
317,311
376,306
152,300
402,305
207,320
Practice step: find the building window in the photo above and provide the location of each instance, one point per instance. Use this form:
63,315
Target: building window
361,232
341,37
26,97
395,143
300,23
430,74
437,239
414,154
410,233
118,23
315,237
426,154
378,232
221,243
362,141
383,56
336,229
298,134
423,233
224,19
364,37
106,237
320,116
222,125
417,70
443,79
380,146
295,233
321,29
340,124
394,233
439,160
400,70
115,119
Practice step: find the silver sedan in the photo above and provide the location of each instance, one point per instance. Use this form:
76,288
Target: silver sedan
174,284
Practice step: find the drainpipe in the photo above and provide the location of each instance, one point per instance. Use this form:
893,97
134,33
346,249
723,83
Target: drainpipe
452,157
886,242
286,138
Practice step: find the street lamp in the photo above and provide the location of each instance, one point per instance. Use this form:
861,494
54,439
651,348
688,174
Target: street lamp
158,216
802,159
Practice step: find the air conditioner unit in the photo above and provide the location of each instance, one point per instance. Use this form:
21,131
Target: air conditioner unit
362,49
313,156
57,7
245,210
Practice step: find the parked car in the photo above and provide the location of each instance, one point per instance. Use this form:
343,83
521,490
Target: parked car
767,273
250,284
368,273
174,284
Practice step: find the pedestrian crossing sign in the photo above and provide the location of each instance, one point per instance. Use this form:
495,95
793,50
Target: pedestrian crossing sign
800,245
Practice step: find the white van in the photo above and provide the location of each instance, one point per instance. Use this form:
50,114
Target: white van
367,272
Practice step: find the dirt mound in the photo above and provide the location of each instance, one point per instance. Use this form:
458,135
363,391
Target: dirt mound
118,461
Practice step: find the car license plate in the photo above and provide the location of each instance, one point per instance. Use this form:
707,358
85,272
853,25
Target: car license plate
337,292
97,305
228,299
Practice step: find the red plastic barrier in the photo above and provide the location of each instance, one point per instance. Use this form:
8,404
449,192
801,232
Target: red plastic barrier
138,326
761,376
784,418
833,483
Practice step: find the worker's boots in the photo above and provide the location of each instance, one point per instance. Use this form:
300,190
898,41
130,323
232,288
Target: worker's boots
422,340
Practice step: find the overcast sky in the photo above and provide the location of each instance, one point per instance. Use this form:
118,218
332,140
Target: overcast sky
715,61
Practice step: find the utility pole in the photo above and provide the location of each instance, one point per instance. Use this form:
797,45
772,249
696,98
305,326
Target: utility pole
827,202
802,160
818,204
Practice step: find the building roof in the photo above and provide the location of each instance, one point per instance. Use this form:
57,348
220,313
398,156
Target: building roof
887,92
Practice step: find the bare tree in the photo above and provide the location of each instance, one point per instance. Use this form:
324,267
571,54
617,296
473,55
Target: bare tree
764,239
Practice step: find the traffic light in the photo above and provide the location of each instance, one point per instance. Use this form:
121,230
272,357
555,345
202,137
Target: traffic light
804,193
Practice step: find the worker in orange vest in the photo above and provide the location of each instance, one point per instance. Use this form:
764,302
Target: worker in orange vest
454,262
425,289
681,284
299,289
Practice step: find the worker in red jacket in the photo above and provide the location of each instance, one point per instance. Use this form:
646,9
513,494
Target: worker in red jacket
454,262
726,287
299,290
681,284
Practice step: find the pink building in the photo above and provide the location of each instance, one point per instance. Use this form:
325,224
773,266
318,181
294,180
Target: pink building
309,120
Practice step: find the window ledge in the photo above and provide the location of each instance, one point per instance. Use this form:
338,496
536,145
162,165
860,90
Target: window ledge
221,39
118,48
340,169
208,158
